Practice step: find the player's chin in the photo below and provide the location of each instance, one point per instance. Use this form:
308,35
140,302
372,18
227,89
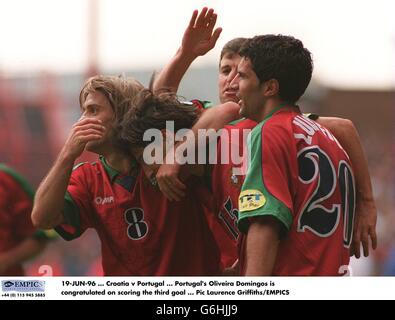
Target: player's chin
229,98
93,146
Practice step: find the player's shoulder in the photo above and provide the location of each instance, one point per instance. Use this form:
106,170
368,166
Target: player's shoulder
15,178
83,166
242,124
278,124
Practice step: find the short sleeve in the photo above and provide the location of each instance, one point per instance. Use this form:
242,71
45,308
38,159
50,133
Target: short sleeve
266,189
202,105
77,204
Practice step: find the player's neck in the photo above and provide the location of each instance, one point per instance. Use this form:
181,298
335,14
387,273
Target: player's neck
269,108
119,162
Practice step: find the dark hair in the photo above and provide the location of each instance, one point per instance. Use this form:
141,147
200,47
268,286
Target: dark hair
152,111
283,58
233,46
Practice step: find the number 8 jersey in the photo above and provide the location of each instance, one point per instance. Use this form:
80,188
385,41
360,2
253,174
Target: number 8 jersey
299,173
141,232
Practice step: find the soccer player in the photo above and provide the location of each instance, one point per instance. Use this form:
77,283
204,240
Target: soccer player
198,39
19,241
141,232
297,203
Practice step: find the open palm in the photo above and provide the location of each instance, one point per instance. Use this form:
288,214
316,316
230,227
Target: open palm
199,37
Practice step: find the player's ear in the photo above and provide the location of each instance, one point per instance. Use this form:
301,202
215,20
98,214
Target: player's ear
270,88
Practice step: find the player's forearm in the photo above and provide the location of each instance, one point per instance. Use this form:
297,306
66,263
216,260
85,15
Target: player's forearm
171,75
49,199
21,253
215,119
218,117
347,135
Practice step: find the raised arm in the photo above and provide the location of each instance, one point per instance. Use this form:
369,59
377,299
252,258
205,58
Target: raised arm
366,212
49,199
198,39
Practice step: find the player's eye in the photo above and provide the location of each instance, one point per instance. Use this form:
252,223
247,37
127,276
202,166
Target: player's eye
92,110
225,71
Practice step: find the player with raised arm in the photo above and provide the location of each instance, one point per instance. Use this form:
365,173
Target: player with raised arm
225,184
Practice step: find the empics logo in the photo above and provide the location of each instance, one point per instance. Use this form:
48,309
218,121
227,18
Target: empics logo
250,200
23,285
8,284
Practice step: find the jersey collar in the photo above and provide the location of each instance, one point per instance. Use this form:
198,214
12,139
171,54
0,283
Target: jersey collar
112,173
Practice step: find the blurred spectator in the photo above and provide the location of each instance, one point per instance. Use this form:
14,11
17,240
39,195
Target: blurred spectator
19,241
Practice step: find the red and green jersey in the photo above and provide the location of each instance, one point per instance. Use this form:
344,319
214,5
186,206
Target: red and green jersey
141,232
222,211
16,202
226,183
221,203
299,174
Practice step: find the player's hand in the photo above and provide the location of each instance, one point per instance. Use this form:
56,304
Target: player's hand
364,227
199,37
82,132
169,183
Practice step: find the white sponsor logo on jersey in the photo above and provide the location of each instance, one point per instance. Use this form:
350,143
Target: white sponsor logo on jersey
105,200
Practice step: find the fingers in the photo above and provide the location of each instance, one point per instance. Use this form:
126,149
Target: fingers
85,124
83,121
373,237
82,134
365,241
84,127
174,192
170,191
171,187
365,244
356,246
207,18
193,19
211,22
88,131
201,20
352,251
177,187
215,37
87,138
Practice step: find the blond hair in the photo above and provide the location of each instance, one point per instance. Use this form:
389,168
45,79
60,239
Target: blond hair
122,93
